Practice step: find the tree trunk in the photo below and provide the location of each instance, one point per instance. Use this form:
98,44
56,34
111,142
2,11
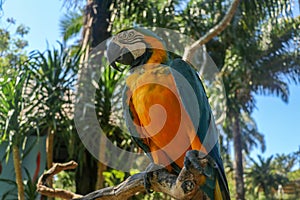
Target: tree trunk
239,171
96,25
96,30
101,166
86,175
49,150
18,171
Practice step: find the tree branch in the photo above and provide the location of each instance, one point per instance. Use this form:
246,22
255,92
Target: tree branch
43,188
183,186
189,51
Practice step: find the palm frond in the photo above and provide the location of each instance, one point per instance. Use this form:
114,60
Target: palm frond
272,86
71,25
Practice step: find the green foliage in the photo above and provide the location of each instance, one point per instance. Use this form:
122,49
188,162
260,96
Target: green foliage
258,58
145,13
30,188
10,192
12,45
113,176
54,73
264,175
265,63
15,108
251,137
109,105
71,25
294,175
284,163
66,180
17,111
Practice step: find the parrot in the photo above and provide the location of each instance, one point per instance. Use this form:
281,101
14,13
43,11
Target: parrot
158,110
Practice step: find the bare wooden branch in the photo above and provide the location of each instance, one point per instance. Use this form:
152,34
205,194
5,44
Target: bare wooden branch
43,188
126,189
183,186
189,51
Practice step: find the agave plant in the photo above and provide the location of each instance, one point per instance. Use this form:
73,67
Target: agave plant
54,74
17,119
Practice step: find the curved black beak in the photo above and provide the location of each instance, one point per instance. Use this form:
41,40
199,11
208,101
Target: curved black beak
112,53
115,53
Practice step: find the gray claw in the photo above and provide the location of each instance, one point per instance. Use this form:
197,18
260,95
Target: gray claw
148,175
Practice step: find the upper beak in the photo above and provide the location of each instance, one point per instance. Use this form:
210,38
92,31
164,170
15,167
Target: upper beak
113,53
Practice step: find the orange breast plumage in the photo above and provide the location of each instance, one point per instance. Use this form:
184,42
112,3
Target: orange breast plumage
161,120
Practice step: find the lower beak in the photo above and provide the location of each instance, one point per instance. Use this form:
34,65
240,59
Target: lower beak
113,64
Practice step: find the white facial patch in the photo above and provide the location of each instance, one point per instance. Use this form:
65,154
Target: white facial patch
137,49
132,40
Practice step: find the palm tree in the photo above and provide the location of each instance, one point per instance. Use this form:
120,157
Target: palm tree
71,25
262,175
258,68
284,163
95,30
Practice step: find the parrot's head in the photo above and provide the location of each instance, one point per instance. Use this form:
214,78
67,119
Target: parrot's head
134,47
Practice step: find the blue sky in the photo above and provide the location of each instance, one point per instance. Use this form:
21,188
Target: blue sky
278,121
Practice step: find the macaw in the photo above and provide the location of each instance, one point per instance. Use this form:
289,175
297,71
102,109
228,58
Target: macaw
158,110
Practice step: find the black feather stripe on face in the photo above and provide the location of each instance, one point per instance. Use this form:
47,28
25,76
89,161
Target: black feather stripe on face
129,37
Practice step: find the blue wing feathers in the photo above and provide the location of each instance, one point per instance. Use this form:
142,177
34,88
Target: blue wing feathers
189,74
184,69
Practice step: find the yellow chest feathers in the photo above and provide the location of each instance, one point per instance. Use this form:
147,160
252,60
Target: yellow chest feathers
153,74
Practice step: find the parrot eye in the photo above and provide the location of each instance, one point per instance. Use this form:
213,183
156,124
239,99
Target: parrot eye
122,36
130,34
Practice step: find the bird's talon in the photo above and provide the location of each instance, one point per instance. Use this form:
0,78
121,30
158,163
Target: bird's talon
199,161
147,183
148,175
187,186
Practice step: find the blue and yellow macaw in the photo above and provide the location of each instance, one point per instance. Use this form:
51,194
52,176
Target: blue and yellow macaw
170,136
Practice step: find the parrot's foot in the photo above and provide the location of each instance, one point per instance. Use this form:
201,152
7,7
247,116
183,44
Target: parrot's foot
148,175
200,161
205,166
